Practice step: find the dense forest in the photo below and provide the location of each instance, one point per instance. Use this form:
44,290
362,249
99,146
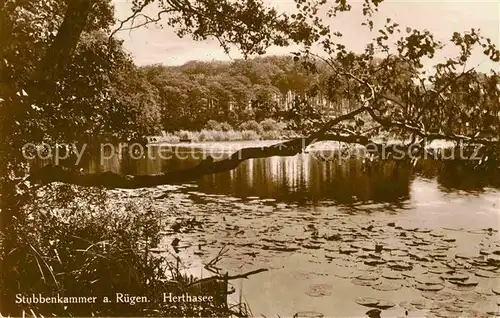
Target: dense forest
187,96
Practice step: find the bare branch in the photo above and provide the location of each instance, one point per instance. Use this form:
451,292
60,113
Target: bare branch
148,19
128,19
228,277
136,14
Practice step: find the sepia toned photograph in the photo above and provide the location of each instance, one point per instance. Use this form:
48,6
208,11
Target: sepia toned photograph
250,158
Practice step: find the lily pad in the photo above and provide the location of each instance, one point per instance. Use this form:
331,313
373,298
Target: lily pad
399,253
438,255
389,247
375,303
458,264
319,290
468,282
485,252
478,261
374,262
331,256
363,255
308,314
436,234
470,298
429,295
429,287
425,248
444,297
401,266
385,304
387,286
428,280
392,275
290,248
455,277
461,304
366,301
415,272
311,246
347,250
406,305
454,308
440,270
423,230
444,313
369,247
463,256
368,276
489,268
361,282
420,303
496,290
486,274
419,257
468,285
493,259
344,272
375,255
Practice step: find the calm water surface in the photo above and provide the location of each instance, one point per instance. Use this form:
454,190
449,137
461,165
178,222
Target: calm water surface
294,215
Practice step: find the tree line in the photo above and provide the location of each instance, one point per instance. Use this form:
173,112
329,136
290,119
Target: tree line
186,97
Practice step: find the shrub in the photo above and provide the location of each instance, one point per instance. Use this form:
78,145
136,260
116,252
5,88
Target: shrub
289,134
271,135
185,134
87,242
270,125
251,125
219,135
205,136
79,244
214,135
211,135
234,135
249,135
246,115
168,138
225,126
213,125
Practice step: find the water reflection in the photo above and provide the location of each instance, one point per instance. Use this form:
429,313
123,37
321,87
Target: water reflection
305,179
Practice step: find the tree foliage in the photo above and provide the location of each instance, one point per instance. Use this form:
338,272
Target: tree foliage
451,100
64,77
191,94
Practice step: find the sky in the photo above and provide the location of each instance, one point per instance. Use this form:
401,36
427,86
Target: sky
153,45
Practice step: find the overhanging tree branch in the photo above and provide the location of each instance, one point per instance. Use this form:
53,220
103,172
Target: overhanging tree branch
138,13
54,173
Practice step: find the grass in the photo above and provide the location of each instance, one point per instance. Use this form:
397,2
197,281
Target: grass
76,241
268,129
206,135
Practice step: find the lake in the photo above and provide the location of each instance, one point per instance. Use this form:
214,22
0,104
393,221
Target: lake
339,237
